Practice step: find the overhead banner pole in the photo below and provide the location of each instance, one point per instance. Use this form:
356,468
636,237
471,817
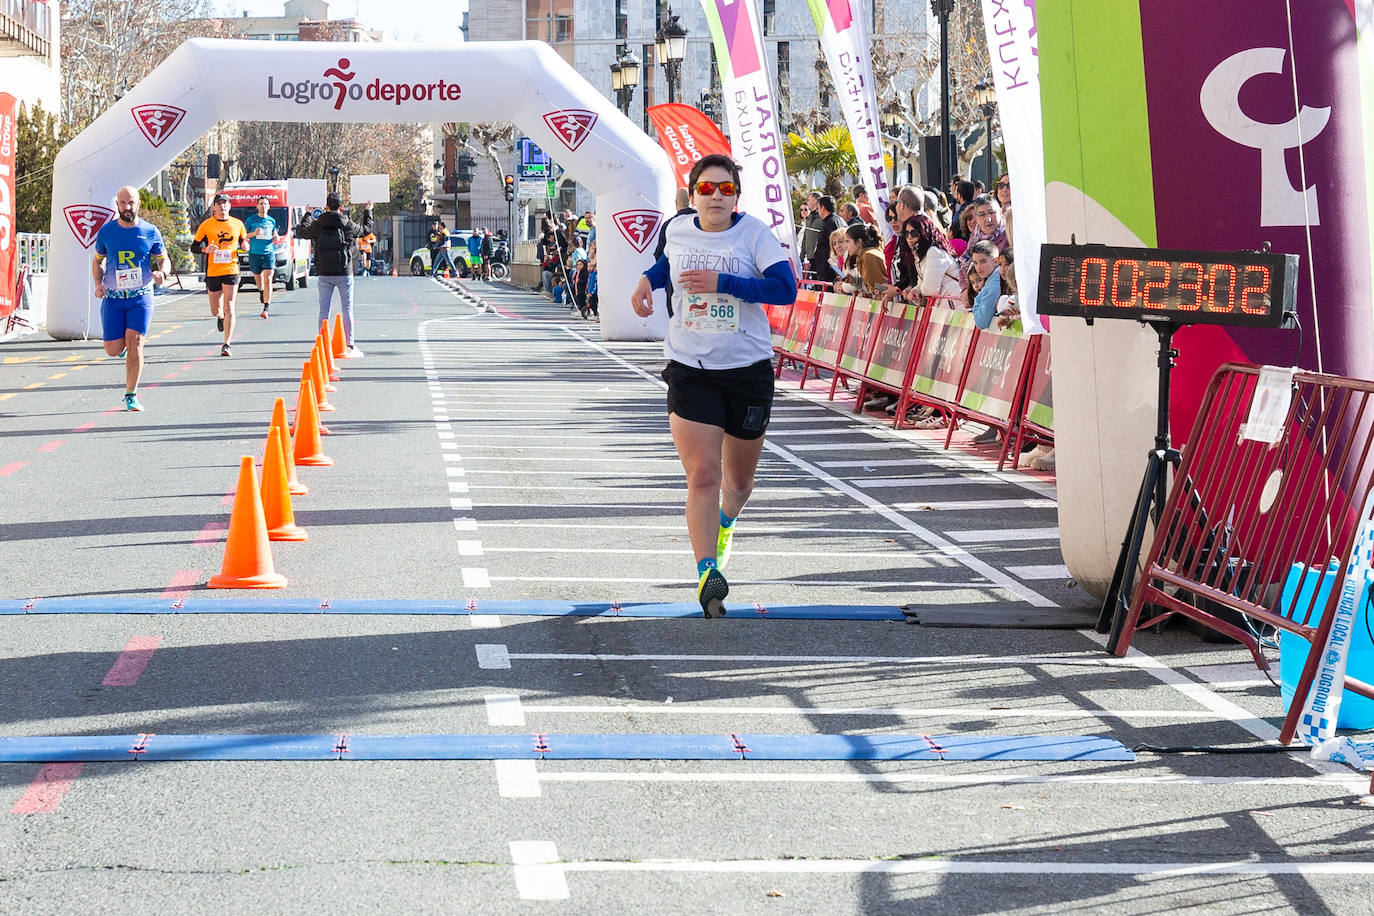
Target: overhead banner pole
849,54
752,114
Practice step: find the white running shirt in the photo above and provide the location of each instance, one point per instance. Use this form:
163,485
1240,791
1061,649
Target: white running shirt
717,331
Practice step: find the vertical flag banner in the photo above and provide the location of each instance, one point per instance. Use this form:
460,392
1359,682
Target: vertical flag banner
9,244
849,53
1217,126
1013,49
751,111
686,135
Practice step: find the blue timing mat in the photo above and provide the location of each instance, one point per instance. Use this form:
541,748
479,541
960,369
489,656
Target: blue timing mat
386,606
95,748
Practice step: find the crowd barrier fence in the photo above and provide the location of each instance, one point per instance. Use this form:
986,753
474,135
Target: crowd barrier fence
928,356
1255,508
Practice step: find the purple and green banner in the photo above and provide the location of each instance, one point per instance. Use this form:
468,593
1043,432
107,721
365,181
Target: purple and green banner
1224,126
1220,126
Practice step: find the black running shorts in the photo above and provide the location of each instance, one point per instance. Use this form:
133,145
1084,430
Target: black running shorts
215,283
739,401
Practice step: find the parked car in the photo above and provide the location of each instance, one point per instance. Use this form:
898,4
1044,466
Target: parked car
293,254
419,258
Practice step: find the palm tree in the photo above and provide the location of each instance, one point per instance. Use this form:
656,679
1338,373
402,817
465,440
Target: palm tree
830,152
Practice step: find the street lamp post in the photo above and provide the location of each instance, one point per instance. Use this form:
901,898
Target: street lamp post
334,178
985,97
671,44
942,10
624,79
892,127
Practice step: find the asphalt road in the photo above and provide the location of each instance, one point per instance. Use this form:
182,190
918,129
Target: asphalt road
510,454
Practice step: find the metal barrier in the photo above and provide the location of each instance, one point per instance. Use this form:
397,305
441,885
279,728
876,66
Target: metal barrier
33,251
1252,504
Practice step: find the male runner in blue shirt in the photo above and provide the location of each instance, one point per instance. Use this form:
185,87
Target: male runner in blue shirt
130,260
262,252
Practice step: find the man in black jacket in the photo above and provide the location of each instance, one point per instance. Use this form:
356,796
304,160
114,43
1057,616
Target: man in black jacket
335,237
830,223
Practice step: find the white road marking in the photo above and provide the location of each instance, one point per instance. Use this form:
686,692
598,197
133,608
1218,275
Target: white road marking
538,873
896,553
891,482
445,434
902,712
836,583
504,709
1004,534
464,524
1046,571
457,486
492,655
1089,661
971,867
484,621
455,472
887,463
475,577
517,779
469,548
1333,781
980,504
461,505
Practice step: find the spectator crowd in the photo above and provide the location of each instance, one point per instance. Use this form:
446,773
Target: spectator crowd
948,249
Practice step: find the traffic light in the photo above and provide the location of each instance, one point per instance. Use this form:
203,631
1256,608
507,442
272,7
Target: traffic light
510,187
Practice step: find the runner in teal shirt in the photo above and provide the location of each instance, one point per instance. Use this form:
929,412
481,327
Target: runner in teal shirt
262,252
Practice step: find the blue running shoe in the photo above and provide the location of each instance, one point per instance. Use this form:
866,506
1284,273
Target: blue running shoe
131,401
711,591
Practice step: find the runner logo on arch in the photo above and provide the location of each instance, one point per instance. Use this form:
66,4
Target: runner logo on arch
640,227
571,126
85,221
157,121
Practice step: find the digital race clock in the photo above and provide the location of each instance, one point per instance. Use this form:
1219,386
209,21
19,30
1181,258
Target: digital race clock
1183,287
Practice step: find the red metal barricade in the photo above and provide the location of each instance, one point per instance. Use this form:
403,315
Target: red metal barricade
993,392
859,339
827,343
801,325
892,361
1245,514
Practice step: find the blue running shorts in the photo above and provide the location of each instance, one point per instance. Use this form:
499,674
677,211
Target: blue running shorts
257,263
120,315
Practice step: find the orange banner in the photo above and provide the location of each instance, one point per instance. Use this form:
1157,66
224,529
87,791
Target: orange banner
9,244
687,135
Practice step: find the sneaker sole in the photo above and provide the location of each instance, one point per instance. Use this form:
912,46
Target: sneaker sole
712,597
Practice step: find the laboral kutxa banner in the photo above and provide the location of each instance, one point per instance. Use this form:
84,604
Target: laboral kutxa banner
9,245
848,52
751,113
686,135
1015,56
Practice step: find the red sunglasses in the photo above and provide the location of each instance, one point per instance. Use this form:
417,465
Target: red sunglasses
707,188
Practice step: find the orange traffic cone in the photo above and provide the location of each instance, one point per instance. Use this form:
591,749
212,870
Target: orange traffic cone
393,271
276,501
307,376
293,484
340,344
327,346
317,377
309,449
247,553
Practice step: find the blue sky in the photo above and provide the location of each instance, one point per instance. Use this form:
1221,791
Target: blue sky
428,21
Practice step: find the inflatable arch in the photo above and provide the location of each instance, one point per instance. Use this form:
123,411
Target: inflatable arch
210,80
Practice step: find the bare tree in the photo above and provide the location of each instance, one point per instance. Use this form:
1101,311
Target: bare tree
109,45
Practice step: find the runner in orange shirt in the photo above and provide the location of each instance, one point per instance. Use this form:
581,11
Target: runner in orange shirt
365,253
220,238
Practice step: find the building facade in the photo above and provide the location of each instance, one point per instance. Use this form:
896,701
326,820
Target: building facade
592,34
301,20
30,59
